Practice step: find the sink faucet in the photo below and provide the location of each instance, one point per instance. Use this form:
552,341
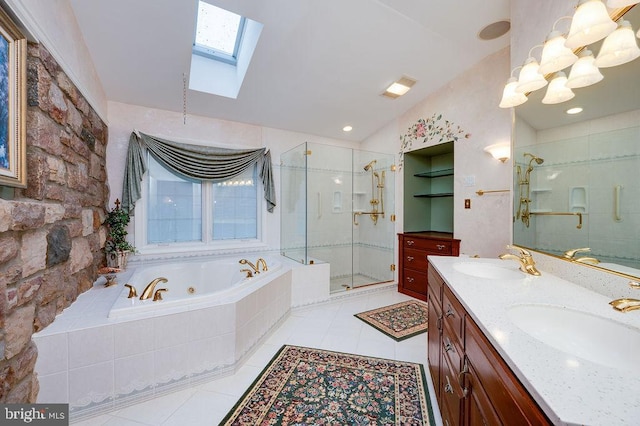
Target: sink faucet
626,304
525,259
571,255
148,290
262,262
246,262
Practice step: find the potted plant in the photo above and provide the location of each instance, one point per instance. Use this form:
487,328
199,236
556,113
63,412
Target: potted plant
117,248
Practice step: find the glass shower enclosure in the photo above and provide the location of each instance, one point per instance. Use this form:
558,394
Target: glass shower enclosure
338,208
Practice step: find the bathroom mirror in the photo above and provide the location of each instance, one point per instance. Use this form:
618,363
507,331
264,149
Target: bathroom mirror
577,177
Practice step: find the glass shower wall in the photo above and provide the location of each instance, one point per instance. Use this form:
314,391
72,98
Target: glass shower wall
335,211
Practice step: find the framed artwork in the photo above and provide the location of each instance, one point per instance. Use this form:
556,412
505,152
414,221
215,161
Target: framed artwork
13,56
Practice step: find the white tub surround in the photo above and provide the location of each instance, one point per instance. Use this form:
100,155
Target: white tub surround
596,389
96,363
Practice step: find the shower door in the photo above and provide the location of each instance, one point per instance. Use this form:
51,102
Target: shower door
334,211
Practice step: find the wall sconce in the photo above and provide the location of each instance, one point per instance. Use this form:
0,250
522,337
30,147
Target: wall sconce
619,47
584,72
510,97
591,22
500,151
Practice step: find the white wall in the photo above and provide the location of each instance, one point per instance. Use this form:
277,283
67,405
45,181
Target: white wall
470,101
53,24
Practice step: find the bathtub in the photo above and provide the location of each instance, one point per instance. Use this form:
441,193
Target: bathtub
191,286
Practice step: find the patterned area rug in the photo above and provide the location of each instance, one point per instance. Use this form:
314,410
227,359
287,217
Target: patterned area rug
305,386
399,321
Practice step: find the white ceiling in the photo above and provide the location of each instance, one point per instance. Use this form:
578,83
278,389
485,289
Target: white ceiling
319,64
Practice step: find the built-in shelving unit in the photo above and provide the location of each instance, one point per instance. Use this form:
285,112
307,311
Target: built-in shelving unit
428,189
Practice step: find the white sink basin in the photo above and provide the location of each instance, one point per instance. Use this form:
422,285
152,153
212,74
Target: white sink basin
489,271
581,334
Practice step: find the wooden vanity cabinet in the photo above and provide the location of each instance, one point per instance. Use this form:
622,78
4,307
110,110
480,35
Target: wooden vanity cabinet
414,247
474,386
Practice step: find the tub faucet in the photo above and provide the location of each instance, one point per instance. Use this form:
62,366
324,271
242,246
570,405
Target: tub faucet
262,262
527,264
246,262
148,290
627,304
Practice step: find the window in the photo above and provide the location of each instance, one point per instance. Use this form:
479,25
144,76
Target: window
180,210
218,33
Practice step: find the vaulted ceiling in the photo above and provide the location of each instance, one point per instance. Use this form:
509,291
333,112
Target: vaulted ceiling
318,66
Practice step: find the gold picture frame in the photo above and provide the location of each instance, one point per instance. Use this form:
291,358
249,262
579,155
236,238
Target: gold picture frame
13,57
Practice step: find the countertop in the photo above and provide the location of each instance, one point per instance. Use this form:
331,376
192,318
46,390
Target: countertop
569,389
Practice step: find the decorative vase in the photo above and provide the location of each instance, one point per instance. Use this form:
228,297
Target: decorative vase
117,259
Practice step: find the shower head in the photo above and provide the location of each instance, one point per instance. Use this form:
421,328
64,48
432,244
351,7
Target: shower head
368,166
534,158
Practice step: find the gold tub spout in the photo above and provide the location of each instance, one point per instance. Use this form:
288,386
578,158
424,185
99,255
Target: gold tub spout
246,262
148,290
262,262
625,304
527,264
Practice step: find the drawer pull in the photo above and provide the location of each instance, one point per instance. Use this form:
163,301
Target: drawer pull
449,312
410,279
410,242
465,370
447,345
410,258
440,246
448,388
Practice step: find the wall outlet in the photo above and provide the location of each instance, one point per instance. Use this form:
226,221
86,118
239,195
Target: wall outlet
467,203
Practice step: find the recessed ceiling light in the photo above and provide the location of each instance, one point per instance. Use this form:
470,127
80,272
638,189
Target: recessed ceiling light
347,128
399,88
575,110
494,30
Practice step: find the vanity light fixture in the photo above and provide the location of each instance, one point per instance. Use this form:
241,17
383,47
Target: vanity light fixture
555,55
500,151
511,98
530,78
612,4
558,92
591,22
574,110
584,72
619,47
399,88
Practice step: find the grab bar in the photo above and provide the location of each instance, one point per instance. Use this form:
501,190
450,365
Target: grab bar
616,203
579,214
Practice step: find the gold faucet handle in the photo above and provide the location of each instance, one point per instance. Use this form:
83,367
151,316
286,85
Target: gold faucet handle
634,285
248,272
570,254
523,252
132,291
158,294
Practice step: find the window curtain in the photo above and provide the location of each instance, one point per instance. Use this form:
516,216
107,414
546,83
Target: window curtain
192,161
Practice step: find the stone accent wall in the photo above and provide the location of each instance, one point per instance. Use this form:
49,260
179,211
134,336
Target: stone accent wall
51,233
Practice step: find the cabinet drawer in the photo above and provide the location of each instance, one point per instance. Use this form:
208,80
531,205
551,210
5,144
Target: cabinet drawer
451,392
415,259
452,350
431,245
415,281
453,314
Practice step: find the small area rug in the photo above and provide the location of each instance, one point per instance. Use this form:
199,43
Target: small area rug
399,321
306,386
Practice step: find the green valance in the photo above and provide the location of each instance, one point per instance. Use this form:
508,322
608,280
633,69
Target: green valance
192,161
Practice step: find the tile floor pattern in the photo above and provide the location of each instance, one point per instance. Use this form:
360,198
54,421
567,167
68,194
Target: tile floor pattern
330,326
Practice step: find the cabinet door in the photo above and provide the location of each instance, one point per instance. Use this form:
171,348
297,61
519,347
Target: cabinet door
434,339
479,410
510,400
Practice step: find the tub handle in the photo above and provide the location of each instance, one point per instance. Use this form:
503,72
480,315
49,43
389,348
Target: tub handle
132,291
248,271
157,296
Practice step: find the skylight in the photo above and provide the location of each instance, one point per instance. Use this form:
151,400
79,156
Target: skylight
218,33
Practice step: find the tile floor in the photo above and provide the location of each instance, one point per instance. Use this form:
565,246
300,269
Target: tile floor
330,326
